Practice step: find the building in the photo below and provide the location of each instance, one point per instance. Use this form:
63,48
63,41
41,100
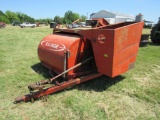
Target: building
112,17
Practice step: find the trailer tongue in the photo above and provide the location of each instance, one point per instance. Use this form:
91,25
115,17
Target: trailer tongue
79,55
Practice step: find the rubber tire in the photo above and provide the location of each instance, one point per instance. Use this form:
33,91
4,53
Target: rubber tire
153,37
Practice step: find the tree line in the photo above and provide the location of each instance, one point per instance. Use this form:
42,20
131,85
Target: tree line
9,17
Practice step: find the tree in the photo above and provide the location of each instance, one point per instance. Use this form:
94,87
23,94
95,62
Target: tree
64,20
47,20
83,18
4,19
11,16
68,17
159,20
20,16
27,18
76,16
1,13
58,20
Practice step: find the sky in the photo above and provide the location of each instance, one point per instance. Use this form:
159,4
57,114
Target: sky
40,9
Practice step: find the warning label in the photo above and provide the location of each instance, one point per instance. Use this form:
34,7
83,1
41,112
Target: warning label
101,38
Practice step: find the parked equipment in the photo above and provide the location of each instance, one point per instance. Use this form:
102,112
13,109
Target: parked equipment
155,33
2,25
79,19
97,22
27,24
144,40
74,24
79,55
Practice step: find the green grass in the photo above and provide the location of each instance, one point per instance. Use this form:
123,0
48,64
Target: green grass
133,95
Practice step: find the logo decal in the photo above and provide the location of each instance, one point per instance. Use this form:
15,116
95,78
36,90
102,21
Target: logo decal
101,38
54,46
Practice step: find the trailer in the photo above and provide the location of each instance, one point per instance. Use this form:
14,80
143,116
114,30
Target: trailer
77,55
2,24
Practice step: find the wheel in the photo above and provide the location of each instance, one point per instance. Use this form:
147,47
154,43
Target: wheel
155,37
33,26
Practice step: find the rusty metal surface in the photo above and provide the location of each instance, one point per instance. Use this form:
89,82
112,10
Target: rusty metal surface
122,48
41,84
114,48
52,89
52,48
99,22
2,24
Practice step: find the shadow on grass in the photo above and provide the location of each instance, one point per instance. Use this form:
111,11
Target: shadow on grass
100,84
38,68
153,44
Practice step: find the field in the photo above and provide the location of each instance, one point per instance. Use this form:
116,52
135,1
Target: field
134,95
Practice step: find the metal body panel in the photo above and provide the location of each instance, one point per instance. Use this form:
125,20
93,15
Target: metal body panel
116,47
110,50
52,49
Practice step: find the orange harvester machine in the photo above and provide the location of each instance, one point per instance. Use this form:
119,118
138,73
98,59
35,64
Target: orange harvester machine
78,55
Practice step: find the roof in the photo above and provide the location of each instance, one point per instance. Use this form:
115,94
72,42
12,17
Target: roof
121,14
115,13
148,21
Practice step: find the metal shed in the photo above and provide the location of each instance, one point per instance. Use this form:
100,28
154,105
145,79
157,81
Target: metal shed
113,17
